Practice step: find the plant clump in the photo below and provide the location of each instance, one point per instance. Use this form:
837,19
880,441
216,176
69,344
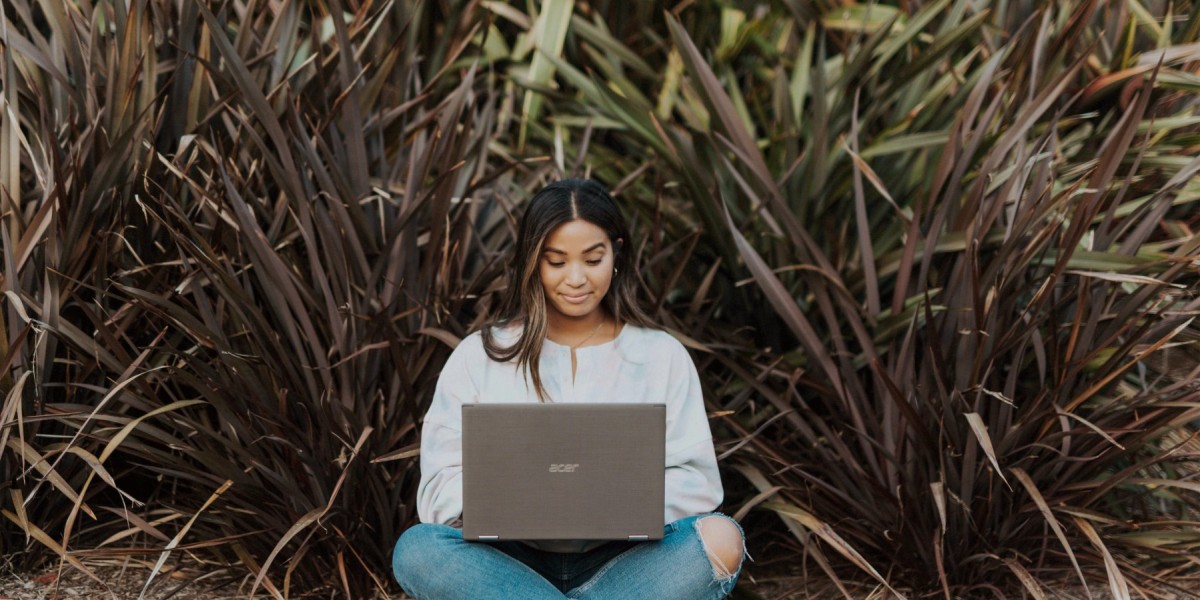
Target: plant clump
937,263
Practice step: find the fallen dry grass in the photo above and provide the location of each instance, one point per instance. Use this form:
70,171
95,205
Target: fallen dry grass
125,583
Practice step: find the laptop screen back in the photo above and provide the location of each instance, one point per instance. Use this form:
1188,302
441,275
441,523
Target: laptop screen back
563,471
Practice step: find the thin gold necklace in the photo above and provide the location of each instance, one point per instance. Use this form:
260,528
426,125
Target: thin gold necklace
590,335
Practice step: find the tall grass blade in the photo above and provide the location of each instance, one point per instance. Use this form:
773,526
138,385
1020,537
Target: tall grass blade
1036,496
548,36
985,442
826,533
1116,581
47,541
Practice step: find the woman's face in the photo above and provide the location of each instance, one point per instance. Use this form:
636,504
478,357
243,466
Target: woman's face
576,269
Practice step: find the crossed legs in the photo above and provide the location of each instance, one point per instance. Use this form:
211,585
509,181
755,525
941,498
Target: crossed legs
698,558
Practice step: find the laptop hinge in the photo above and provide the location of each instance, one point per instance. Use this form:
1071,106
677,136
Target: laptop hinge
639,538
489,537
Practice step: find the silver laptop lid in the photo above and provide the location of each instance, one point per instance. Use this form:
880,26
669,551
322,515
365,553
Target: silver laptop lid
563,471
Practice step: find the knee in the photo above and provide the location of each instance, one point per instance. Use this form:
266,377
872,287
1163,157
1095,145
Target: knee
724,543
417,547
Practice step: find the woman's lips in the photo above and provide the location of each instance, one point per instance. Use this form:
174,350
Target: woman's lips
576,299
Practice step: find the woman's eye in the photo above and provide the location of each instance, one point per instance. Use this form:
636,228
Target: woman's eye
555,264
594,262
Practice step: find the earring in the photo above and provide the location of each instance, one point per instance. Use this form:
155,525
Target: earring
614,270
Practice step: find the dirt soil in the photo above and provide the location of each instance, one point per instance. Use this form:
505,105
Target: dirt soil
234,584
119,584
228,584
127,583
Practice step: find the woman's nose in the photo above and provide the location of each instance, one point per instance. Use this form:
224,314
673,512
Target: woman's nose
575,276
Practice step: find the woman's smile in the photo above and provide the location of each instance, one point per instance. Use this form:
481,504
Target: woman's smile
576,271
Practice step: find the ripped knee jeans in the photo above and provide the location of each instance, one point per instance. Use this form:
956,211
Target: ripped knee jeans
433,561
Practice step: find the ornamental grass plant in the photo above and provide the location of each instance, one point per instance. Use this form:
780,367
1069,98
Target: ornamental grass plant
937,263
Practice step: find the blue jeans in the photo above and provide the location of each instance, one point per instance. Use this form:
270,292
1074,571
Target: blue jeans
433,562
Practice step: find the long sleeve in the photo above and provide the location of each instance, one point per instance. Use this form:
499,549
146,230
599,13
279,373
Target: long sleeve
645,366
693,483
439,494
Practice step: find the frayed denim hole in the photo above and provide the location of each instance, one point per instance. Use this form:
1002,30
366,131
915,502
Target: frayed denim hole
721,574
745,549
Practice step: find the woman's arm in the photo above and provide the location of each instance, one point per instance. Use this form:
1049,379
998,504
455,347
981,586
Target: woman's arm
439,495
693,484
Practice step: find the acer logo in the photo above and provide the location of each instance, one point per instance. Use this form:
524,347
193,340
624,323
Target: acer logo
563,468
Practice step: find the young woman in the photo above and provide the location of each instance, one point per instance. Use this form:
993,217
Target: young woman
571,331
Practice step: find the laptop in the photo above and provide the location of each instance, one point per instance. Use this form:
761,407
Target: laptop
574,471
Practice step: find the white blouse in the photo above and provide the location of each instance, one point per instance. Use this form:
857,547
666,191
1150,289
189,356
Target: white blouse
640,365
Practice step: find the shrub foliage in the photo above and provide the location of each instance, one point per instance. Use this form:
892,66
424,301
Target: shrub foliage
936,260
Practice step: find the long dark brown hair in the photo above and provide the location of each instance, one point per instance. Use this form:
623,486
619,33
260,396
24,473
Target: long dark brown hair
525,302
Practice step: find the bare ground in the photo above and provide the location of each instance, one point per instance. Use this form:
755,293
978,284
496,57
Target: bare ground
128,583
